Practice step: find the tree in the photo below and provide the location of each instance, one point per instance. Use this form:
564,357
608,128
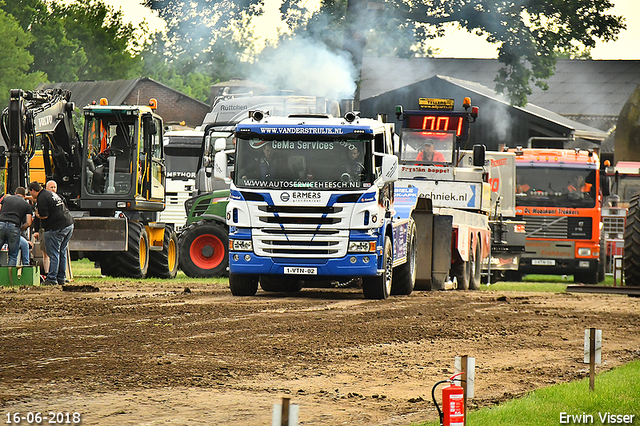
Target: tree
14,68
80,40
528,33
111,46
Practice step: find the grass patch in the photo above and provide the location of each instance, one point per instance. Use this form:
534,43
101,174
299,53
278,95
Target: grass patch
84,272
616,392
541,283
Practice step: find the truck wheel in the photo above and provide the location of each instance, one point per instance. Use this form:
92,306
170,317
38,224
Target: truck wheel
586,277
204,250
133,263
379,286
243,284
475,265
462,272
279,283
164,264
404,277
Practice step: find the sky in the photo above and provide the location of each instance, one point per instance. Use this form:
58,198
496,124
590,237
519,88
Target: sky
457,43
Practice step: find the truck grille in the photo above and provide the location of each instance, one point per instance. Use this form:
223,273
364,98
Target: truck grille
558,227
613,226
314,231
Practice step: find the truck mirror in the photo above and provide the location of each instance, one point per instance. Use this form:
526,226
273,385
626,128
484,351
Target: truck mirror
220,144
152,128
220,166
479,155
389,168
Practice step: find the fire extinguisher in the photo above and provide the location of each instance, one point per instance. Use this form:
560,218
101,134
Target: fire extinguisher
452,413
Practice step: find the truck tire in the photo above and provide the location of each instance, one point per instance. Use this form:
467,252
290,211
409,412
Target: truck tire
243,284
133,263
278,283
602,261
404,277
475,271
379,286
632,244
164,263
203,248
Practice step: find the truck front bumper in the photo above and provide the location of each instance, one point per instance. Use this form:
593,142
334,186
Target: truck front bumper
351,265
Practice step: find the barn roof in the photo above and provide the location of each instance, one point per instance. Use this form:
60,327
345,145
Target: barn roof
577,88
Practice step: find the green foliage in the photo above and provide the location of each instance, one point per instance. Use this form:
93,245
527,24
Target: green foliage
79,40
615,392
14,68
109,44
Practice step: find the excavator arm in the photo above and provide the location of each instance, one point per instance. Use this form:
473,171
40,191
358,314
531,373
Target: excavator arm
41,120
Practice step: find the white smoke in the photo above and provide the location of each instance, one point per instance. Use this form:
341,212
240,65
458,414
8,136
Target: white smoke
307,67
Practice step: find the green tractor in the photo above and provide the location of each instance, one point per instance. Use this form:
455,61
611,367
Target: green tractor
203,242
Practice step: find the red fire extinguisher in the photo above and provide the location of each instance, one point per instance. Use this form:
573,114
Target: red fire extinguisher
452,413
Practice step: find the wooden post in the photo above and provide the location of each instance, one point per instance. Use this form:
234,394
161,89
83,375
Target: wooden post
592,357
284,420
463,383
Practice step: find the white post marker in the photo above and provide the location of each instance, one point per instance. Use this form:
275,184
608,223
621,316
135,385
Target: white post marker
469,376
277,418
592,352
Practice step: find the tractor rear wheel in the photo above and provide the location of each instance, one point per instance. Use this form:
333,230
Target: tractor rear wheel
632,244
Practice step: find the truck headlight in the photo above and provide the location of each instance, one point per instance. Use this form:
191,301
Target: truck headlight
240,245
362,246
584,251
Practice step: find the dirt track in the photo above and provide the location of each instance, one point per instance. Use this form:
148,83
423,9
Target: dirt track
153,354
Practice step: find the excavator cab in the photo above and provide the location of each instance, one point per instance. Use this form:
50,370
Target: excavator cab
123,166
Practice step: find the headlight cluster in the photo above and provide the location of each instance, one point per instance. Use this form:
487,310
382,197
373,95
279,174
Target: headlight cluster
240,245
362,246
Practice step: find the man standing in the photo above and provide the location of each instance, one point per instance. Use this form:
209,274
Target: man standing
58,228
15,215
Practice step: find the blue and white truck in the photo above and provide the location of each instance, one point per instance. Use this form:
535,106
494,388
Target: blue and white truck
312,202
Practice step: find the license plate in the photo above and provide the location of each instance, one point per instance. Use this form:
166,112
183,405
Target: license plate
300,271
543,262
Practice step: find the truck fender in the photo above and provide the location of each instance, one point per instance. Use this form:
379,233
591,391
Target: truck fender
463,241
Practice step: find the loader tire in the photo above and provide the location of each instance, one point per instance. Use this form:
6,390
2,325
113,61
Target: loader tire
632,244
164,263
133,263
204,251
379,286
404,277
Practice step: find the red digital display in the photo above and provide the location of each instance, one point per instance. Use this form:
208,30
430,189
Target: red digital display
444,121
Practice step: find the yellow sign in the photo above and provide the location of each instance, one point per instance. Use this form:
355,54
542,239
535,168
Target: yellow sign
437,104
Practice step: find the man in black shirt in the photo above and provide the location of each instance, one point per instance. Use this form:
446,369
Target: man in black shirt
58,228
14,211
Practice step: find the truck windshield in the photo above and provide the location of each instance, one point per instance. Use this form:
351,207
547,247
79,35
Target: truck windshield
427,147
318,164
628,186
109,152
555,187
181,161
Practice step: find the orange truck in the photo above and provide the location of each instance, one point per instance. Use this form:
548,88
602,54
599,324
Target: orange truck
559,195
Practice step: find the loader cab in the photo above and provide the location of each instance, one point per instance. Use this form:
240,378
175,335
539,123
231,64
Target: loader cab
123,160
